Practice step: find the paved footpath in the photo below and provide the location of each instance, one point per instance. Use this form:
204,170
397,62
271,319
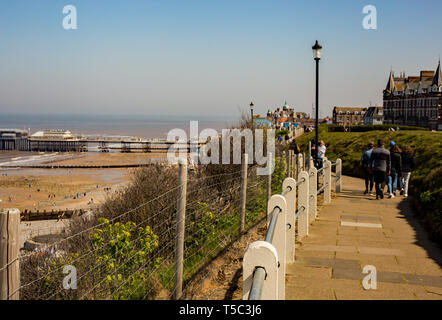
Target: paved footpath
356,230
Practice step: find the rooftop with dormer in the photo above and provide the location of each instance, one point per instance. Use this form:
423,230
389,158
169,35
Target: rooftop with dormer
427,81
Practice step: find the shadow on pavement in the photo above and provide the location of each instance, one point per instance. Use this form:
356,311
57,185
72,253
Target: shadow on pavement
422,239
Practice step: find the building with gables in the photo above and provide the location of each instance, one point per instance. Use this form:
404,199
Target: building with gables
414,100
348,116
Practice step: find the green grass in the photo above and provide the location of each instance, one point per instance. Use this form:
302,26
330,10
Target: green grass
426,180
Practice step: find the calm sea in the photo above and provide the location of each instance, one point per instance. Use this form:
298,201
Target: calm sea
139,126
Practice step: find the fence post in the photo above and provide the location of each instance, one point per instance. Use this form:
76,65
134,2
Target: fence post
303,202
242,214
261,254
269,176
293,165
300,166
292,161
279,239
327,181
289,164
9,251
338,175
180,225
291,220
309,155
313,187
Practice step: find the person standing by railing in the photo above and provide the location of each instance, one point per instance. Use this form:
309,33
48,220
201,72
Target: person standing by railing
368,174
396,169
380,164
321,154
407,167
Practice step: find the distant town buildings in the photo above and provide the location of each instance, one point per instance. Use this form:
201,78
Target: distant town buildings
374,115
414,100
283,117
348,116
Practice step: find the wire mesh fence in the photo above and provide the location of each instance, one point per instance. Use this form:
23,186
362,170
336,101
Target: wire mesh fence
129,254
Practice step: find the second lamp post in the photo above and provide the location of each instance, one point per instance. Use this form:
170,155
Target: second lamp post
317,48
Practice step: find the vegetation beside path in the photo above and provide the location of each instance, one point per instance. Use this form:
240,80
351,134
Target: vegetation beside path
426,180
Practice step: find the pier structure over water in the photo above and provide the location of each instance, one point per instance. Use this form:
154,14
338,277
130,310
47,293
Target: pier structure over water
14,139
66,141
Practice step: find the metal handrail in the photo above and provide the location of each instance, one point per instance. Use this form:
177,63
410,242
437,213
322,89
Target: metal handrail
322,188
300,181
260,273
299,211
271,230
258,280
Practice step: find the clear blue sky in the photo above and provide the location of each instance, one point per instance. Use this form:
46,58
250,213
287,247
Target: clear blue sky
207,58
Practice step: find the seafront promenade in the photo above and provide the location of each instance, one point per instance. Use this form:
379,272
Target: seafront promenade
354,231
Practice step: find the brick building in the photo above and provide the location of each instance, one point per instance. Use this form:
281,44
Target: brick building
414,100
348,116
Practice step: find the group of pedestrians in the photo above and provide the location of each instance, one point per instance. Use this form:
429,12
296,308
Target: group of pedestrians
387,167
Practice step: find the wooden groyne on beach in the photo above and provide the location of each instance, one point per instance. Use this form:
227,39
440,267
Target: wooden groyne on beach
29,215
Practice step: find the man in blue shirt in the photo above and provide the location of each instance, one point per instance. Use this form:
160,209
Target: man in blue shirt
368,174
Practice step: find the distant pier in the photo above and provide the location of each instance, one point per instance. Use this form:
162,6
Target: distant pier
65,141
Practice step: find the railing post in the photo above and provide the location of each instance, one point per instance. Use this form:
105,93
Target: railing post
293,161
300,162
180,225
303,195
261,254
295,166
291,153
327,181
269,177
313,187
9,251
289,163
291,219
279,239
338,175
242,216
284,162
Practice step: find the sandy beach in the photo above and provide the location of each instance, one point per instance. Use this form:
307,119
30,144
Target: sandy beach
47,189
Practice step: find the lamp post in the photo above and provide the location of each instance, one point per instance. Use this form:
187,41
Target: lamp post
251,111
317,48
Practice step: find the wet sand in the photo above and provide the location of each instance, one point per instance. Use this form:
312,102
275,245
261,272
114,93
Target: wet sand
47,189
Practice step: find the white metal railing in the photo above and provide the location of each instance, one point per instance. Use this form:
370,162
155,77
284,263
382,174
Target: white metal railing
264,262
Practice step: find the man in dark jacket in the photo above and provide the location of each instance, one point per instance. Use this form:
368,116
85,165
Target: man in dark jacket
380,164
365,161
396,169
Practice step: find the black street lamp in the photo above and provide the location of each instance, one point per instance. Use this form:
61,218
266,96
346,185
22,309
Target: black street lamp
317,48
251,111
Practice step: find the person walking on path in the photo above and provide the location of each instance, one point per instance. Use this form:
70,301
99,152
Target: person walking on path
321,154
396,169
380,164
286,139
407,168
294,146
368,174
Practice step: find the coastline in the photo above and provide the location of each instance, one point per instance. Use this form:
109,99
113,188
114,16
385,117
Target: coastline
61,188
